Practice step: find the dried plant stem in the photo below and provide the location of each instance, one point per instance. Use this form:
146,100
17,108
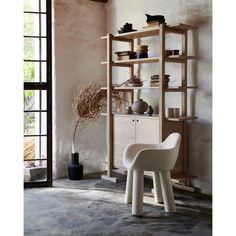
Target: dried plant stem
73,137
88,103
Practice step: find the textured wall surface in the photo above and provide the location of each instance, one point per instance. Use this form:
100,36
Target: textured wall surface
78,52
197,12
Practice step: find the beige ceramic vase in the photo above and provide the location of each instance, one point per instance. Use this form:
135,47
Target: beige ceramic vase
139,106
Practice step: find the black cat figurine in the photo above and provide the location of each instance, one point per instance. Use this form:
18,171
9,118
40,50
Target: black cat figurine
155,18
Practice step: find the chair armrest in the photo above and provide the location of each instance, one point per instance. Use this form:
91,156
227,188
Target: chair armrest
155,159
132,150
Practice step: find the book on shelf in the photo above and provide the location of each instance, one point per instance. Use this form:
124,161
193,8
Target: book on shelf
126,57
152,25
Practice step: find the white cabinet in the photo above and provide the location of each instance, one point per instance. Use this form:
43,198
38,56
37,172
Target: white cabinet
124,133
146,130
133,129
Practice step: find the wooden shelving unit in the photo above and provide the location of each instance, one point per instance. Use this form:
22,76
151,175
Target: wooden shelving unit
121,127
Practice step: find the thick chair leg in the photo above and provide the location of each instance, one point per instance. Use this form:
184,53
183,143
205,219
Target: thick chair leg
137,199
129,184
157,187
167,191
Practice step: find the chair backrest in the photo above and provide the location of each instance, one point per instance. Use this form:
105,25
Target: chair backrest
159,159
172,141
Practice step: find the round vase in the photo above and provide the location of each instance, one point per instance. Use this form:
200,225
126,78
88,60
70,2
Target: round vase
139,106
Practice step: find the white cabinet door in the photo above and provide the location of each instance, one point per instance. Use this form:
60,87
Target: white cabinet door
147,130
124,134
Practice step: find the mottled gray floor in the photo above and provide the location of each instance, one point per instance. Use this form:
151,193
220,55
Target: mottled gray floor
96,207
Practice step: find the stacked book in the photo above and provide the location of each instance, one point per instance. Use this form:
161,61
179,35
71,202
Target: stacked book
125,55
152,24
155,80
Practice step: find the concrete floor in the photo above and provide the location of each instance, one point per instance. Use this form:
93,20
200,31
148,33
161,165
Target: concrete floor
96,207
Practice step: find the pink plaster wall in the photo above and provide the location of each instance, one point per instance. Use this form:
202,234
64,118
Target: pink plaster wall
79,24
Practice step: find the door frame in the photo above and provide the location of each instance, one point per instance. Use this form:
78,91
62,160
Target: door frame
48,87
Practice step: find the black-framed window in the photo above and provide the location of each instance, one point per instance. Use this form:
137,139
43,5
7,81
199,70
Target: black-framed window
37,93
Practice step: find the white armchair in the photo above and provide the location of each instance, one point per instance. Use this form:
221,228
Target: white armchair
159,158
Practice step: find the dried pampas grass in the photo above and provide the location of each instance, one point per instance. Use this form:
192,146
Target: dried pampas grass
88,103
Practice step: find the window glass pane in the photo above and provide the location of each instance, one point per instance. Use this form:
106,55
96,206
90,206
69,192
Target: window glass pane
30,148
35,123
44,71
31,5
44,147
35,148
34,170
43,100
31,49
37,172
32,100
43,122
31,123
31,71
43,5
31,24
44,49
43,25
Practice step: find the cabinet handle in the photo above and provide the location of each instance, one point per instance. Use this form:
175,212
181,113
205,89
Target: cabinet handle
133,120
137,120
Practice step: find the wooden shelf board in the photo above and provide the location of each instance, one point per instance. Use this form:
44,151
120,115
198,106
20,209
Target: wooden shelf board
154,116
127,63
127,89
146,32
177,178
109,178
138,61
151,31
183,177
182,118
178,58
192,87
168,89
184,27
179,88
133,88
184,187
121,63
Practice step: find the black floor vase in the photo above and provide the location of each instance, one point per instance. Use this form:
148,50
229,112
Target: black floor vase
75,169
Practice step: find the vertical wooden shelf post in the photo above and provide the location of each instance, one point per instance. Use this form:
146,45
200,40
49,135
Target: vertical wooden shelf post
184,97
109,112
162,82
131,70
